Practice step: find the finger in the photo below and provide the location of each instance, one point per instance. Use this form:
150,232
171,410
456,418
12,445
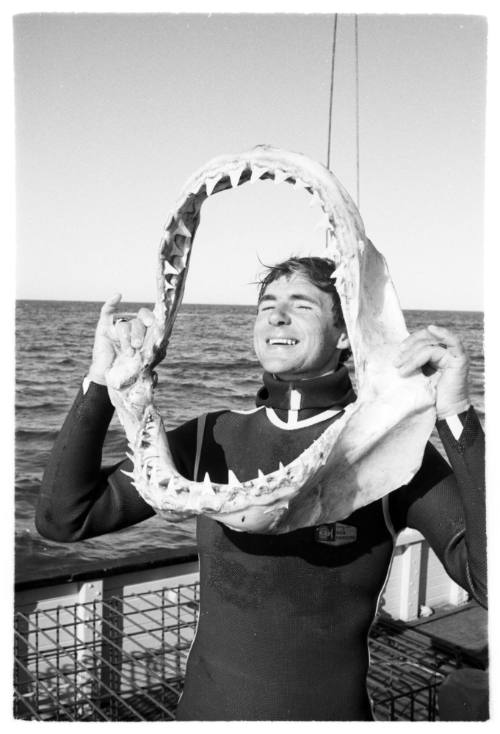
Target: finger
422,355
105,323
109,306
137,332
421,338
146,316
422,335
122,330
448,338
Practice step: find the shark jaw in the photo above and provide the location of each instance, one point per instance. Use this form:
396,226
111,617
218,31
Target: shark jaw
374,447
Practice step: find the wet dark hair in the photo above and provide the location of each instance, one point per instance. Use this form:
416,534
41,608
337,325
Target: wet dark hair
318,271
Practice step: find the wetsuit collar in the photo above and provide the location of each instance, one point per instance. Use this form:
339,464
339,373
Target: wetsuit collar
332,390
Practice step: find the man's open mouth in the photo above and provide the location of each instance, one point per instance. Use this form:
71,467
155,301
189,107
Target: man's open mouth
282,342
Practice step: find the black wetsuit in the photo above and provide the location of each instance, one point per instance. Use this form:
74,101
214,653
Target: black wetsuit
284,619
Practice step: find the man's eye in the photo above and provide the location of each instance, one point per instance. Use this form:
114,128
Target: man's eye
303,305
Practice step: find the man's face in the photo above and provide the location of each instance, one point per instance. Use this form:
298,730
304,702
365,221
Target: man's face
294,334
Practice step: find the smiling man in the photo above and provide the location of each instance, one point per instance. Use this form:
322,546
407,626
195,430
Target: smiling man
299,330
284,619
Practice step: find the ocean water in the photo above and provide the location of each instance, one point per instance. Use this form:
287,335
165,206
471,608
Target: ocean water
210,365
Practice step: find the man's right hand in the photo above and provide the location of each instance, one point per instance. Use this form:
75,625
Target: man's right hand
115,336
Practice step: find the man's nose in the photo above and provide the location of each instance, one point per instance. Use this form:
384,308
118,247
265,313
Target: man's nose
279,317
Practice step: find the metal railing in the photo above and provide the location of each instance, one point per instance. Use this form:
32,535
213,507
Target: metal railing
122,658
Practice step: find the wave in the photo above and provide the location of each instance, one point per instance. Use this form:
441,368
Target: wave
35,434
38,406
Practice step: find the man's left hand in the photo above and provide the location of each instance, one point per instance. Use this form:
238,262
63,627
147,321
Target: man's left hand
442,351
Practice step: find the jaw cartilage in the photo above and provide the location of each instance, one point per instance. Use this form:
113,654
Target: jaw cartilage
377,443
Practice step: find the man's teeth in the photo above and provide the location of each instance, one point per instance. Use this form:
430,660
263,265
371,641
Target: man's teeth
288,342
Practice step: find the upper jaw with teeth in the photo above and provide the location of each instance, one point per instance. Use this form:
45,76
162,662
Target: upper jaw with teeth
261,163
375,446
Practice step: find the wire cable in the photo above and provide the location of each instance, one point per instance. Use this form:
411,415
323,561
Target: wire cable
356,55
330,108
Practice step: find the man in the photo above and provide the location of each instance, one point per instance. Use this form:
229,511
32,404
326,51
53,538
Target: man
284,619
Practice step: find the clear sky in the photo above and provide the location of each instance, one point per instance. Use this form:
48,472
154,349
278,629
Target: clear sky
114,112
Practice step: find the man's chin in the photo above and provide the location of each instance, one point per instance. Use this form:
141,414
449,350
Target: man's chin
286,375
280,370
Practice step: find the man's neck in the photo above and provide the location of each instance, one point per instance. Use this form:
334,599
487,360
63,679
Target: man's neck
297,379
330,389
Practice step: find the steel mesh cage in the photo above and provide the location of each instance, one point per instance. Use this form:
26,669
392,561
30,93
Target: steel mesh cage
122,658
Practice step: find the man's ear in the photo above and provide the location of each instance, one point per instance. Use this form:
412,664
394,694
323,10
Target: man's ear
343,341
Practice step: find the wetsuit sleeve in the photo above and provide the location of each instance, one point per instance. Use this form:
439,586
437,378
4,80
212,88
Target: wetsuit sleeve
450,512
80,499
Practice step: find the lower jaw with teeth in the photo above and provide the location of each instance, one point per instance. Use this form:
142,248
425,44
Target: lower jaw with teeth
374,447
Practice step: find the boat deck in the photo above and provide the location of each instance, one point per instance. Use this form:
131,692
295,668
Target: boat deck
121,657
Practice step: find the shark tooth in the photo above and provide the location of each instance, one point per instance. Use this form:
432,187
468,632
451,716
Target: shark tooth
260,475
282,471
177,249
167,229
257,172
180,262
332,251
170,482
324,223
129,474
232,479
181,229
207,484
168,269
299,184
279,176
314,199
211,183
195,189
235,175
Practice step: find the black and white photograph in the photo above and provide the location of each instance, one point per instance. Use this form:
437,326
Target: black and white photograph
249,454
